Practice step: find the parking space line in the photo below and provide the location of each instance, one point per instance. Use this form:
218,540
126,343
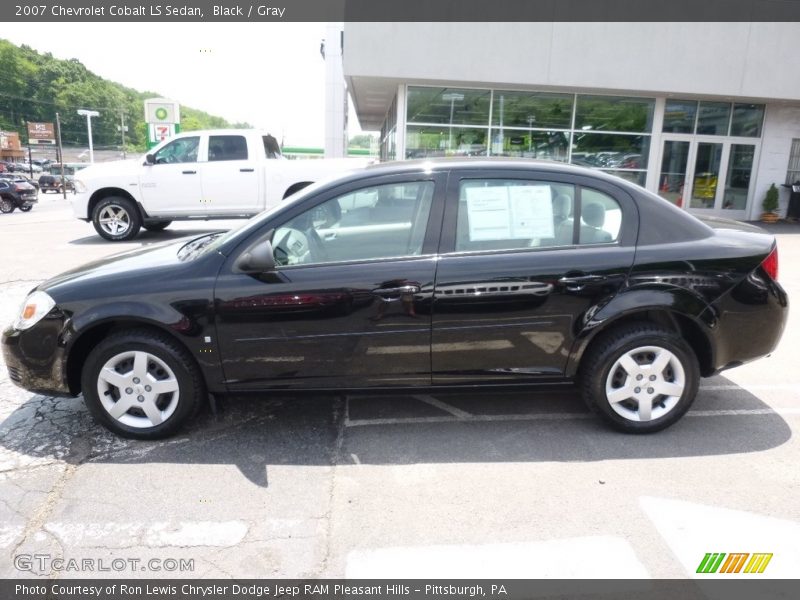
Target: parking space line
456,412
555,417
758,386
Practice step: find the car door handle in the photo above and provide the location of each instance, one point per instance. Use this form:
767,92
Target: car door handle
189,172
578,282
246,170
396,292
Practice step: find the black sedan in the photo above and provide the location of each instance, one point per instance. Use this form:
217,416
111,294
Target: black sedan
428,275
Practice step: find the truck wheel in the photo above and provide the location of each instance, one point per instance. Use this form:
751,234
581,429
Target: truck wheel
116,219
157,225
6,205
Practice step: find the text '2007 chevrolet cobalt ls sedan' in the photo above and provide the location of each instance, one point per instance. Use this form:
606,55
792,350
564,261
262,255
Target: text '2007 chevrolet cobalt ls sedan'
442,274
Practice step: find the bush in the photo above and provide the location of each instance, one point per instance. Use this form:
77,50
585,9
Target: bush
770,203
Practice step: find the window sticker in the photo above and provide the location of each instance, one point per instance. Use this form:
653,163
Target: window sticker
510,212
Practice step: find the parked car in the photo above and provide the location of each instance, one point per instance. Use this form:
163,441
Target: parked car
16,195
20,178
55,183
424,275
219,174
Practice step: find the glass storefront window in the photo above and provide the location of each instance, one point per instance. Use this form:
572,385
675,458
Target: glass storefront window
548,145
608,151
679,116
713,118
539,110
449,106
614,113
430,141
747,119
737,184
706,175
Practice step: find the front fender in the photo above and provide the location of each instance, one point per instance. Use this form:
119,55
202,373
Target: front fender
661,298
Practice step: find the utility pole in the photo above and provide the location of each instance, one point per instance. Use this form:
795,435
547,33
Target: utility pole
61,160
123,129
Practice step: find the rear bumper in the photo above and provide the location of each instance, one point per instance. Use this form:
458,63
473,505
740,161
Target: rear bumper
751,319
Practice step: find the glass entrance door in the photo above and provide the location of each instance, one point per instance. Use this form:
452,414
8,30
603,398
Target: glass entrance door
707,175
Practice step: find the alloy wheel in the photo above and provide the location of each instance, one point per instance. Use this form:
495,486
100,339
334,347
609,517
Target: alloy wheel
114,219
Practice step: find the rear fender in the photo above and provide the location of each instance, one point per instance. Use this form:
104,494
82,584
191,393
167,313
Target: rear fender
667,302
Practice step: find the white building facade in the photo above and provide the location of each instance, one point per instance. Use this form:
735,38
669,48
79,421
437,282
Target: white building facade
705,114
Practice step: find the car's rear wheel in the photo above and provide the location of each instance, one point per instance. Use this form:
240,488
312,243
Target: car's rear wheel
141,384
6,206
157,225
116,219
640,378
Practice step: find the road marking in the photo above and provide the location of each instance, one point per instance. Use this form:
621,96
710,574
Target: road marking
153,535
554,417
591,557
456,412
795,387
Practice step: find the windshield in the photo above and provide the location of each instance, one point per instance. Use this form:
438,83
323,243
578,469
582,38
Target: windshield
227,241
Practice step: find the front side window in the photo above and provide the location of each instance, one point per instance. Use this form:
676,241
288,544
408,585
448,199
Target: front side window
383,221
227,147
182,150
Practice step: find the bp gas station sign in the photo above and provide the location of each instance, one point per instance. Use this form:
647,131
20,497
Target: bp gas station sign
163,118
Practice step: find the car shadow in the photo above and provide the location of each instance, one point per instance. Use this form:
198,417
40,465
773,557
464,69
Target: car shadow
254,433
147,237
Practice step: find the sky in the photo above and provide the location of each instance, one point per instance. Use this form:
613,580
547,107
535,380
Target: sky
269,75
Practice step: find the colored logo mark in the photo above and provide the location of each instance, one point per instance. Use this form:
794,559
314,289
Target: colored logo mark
161,113
741,562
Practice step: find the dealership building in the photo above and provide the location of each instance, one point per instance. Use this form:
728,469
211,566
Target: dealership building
705,114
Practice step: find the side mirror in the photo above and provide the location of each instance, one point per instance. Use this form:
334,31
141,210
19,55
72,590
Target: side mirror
257,259
149,159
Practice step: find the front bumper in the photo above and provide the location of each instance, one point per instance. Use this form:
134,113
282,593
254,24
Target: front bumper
80,205
36,358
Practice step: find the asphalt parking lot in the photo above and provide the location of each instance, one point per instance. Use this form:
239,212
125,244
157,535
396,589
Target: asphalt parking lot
451,485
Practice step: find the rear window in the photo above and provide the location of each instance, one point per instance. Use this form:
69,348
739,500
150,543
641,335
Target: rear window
227,147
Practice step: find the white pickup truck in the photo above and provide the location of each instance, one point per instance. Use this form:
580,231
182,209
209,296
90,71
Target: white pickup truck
220,174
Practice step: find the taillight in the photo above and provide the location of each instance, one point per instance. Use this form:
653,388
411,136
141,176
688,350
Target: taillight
770,264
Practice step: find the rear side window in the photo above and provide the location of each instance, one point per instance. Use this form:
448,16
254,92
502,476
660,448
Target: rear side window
227,147
498,214
601,218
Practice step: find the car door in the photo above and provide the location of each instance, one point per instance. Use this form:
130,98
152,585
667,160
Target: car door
525,257
230,177
171,186
348,304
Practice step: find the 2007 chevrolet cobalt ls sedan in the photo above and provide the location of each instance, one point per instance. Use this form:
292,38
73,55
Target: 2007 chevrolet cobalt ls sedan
441,274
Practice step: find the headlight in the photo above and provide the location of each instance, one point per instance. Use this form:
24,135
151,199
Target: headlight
79,186
33,310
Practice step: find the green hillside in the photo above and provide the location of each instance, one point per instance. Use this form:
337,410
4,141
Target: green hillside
35,86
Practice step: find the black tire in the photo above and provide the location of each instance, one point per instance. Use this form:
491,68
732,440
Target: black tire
602,356
7,206
157,225
158,347
26,207
126,212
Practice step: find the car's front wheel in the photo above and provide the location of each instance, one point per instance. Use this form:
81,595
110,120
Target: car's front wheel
640,378
116,219
26,207
141,384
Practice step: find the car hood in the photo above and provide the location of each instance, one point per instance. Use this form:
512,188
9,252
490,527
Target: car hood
113,167
143,264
